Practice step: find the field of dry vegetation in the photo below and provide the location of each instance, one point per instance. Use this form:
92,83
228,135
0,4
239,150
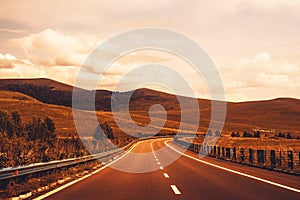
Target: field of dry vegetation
46,98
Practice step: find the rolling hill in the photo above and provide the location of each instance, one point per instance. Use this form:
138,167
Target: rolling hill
282,114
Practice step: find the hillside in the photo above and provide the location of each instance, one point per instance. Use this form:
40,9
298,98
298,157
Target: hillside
280,114
40,82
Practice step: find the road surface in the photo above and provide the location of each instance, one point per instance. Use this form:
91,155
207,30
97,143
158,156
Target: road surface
185,178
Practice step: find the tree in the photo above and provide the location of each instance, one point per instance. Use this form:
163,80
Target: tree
103,130
16,117
246,134
139,135
107,130
50,125
98,133
233,134
10,129
4,118
209,132
6,124
256,134
282,135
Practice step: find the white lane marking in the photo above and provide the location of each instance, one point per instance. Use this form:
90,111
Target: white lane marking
151,146
82,178
166,175
175,189
236,172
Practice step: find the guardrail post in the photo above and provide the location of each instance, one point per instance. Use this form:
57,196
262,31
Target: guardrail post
228,156
290,159
210,150
261,157
215,151
273,158
279,159
242,154
251,156
234,153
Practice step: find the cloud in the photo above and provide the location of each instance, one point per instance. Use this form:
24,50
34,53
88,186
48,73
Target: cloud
12,30
264,74
53,48
232,32
9,61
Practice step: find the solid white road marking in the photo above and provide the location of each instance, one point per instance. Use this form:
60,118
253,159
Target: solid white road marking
151,146
166,175
236,172
175,189
161,168
82,178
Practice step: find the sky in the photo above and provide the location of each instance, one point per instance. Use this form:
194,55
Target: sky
255,45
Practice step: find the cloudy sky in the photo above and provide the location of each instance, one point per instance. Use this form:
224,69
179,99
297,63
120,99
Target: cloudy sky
255,45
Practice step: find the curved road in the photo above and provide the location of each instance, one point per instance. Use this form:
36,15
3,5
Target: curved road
186,178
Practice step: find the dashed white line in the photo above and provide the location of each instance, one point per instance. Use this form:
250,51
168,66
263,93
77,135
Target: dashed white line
175,189
156,159
158,163
166,175
161,168
236,172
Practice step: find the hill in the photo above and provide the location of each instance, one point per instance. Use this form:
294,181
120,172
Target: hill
275,115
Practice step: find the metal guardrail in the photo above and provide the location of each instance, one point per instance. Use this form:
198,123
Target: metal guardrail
13,172
279,160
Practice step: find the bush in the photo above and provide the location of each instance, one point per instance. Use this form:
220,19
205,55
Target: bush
247,135
256,134
233,134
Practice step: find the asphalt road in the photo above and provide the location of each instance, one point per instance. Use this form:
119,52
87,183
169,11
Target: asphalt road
185,178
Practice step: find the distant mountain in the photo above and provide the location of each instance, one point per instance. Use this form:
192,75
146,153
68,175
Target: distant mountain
282,114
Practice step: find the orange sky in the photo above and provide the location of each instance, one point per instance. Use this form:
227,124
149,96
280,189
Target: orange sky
255,45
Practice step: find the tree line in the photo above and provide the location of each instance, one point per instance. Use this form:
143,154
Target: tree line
257,134
22,143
